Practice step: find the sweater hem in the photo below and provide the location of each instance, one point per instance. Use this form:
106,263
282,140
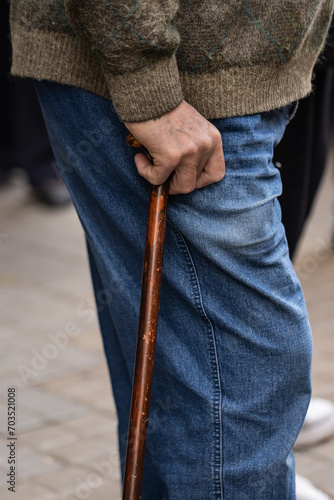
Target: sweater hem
248,90
155,91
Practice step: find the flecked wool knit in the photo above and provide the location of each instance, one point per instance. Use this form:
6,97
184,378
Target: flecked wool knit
224,57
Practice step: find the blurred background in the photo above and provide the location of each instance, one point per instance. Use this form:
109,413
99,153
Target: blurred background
51,350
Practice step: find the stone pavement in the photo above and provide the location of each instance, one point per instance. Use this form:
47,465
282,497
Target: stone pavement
51,352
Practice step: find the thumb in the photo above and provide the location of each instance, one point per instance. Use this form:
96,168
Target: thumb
155,175
144,164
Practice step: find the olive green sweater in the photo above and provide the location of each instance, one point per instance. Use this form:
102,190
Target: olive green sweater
224,57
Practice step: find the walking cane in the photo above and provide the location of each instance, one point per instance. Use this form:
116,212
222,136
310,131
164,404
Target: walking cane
146,338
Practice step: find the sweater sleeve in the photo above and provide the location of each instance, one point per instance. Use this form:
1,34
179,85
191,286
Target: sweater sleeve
135,42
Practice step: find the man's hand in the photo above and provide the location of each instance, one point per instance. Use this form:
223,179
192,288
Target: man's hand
181,141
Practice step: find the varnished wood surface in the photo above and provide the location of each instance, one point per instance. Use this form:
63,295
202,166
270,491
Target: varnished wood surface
146,340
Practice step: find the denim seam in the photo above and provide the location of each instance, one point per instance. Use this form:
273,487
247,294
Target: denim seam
217,434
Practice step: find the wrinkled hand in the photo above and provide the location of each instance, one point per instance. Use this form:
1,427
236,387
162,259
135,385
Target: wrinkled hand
181,141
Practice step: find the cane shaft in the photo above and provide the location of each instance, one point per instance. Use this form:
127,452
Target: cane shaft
146,340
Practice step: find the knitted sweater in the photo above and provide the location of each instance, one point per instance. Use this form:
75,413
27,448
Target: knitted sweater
224,57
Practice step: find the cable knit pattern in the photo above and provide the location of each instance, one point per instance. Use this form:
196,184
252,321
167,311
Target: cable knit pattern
225,58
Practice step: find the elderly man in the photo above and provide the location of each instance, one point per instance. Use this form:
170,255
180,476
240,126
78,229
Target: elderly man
204,86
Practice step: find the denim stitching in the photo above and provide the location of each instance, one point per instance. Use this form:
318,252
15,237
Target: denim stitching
217,433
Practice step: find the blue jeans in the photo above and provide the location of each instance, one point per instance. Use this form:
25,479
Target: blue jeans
232,371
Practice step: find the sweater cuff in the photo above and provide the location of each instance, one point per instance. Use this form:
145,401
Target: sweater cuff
146,94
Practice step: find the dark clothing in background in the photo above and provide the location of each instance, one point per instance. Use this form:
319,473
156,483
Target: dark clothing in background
24,140
304,149
5,52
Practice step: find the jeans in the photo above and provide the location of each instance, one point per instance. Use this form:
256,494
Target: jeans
232,372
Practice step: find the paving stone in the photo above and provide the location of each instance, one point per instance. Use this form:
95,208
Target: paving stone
86,450
306,462
94,392
324,390
90,340
31,463
29,490
325,450
94,424
49,362
26,419
76,290
3,451
78,482
49,330
21,306
67,385
80,358
50,406
109,490
102,401
9,332
323,478
10,362
48,438
82,389
100,372
32,267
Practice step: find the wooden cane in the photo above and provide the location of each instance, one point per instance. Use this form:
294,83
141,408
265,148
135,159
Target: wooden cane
146,338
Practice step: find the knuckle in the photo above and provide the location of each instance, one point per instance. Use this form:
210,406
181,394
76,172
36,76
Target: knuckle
219,176
189,187
192,150
173,158
206,143
217,135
